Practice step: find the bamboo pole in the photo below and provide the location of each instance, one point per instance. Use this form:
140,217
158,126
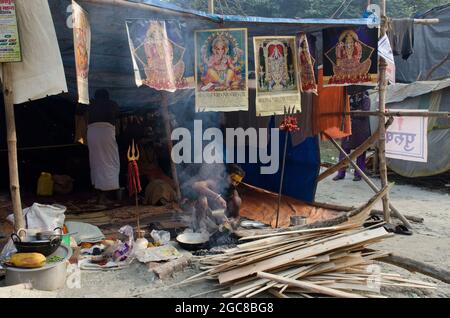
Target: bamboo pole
8,96
211,6
368,181
382,82
357,152
165,115
390,114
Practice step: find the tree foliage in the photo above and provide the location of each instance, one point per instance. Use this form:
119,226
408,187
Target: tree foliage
309,8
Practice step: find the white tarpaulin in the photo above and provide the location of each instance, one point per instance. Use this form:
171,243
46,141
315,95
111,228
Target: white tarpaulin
406,138
41,71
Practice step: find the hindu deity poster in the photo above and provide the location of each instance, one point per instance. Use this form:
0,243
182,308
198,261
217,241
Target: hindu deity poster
350,56
82,48
158,49
306,63
276,75
221,70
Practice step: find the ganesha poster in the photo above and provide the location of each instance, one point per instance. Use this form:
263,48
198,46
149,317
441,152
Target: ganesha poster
221,71
158,51
306,63
350,56
277,84
82,48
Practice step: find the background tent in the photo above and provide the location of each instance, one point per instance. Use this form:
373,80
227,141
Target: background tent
431,46
428,95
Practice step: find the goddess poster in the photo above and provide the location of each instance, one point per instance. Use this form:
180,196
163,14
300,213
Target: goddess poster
277,84
221,75
158,49
350,56
82,48
306,63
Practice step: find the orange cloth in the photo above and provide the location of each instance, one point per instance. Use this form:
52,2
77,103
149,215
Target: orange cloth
331,100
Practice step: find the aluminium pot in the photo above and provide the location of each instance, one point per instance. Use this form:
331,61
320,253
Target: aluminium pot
50,277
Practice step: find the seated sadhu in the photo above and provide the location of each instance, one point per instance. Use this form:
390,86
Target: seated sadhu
214,192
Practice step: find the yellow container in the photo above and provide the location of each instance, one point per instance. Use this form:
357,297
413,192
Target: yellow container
45,184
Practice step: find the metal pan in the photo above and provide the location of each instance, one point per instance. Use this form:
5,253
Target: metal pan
193,241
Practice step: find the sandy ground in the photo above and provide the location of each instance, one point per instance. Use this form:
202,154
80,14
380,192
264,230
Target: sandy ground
430,243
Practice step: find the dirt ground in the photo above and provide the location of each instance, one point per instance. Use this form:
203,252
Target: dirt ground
430,243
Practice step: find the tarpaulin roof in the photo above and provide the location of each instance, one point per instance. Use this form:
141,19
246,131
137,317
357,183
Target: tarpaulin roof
399,92
250,19
431,46
111,64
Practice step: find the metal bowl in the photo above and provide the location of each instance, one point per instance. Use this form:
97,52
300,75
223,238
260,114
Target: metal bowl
193,241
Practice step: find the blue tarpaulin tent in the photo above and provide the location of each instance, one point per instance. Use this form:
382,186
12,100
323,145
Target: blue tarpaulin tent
111,68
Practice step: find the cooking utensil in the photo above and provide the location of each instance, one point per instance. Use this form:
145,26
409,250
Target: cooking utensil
193,241
48,235
50,277
45,247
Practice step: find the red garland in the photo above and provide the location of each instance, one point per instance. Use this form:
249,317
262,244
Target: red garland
290,124
134,184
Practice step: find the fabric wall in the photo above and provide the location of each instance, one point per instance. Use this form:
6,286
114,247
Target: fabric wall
41,71
431,45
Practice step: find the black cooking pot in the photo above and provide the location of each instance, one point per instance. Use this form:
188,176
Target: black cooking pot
44,247
193,241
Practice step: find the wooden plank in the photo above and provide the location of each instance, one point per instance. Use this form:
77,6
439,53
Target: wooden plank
301,254
309,286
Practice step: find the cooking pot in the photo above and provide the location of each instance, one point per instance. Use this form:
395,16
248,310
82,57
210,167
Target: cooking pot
46,245
193,241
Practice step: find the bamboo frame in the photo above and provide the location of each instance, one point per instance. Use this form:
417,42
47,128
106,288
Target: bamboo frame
369,182
390,114
382,84
8,95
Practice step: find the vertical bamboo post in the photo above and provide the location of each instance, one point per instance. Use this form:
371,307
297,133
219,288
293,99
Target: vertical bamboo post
165,114
8,96
211,6
381,119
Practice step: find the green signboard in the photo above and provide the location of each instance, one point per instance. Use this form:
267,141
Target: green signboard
9,34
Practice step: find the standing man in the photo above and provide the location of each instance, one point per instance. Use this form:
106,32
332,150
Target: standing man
103,150
360,133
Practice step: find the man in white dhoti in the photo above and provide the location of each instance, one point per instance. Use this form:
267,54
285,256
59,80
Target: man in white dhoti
101,137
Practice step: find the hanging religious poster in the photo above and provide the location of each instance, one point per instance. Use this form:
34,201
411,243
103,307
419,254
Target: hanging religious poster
407,138
221,76
82,48
157,50
306,63
350,56
276,75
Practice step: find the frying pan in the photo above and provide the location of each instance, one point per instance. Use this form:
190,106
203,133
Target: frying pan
193,241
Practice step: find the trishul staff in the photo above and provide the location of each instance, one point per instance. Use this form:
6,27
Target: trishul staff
289,124
134,183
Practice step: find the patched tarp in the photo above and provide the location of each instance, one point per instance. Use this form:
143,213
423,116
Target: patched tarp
431,46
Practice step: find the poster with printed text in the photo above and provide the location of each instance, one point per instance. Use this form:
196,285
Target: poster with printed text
9,34
350,56
407,138
306,63
82,48
158,51
221,71
277,85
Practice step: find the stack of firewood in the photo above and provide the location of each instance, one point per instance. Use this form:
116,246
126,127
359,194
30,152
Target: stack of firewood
332,261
